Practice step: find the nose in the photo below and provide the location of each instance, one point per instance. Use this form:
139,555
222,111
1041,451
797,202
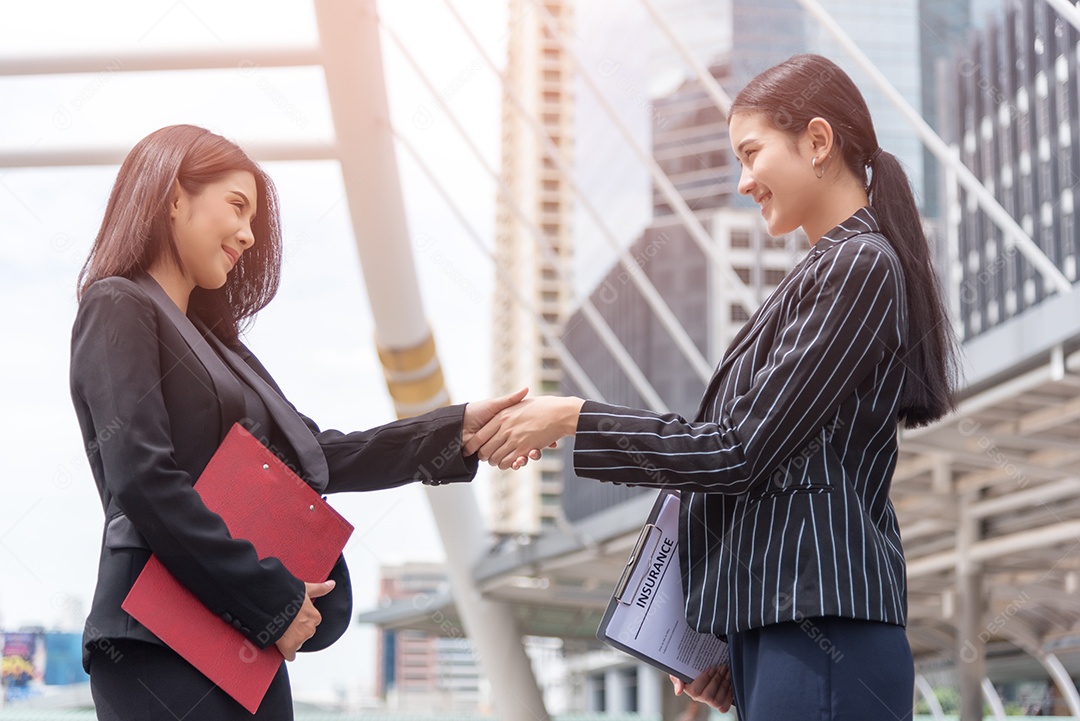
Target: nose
246,236
746,181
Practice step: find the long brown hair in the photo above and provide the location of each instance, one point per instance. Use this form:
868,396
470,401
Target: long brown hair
136,232
805,87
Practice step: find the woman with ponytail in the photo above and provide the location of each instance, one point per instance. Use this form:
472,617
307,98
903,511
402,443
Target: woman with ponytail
790,547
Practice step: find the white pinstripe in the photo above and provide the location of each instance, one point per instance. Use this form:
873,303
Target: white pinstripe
810,388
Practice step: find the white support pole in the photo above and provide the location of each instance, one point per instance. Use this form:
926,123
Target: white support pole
637,276
1068,10
1014,234
733,282
1063,681
923,687
971,647
991,695
349,32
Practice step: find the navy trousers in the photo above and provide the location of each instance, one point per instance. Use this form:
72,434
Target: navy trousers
823,669
147,682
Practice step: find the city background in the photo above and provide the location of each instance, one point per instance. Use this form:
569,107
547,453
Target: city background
571,223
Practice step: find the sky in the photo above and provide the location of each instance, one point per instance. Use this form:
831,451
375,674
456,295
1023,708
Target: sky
316,337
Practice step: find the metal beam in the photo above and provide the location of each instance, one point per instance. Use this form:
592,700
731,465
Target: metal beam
1014,234
203,59
708,82
349,32
85,156
1065,532
633,270
1063,681
705,242
1068,10
592,315
971,647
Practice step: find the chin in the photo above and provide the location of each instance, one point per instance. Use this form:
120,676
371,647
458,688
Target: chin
778,226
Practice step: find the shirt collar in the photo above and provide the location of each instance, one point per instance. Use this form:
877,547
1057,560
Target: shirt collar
863,221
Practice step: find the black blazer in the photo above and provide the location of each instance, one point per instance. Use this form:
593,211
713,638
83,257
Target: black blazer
154,400
785,471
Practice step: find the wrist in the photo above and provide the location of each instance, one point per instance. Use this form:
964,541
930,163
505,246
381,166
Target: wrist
570,414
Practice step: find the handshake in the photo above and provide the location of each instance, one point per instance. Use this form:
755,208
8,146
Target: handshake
510,431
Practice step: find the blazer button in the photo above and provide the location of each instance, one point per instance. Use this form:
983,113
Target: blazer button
226,617
236,624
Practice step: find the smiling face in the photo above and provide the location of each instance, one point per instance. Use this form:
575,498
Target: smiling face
212,228
776,171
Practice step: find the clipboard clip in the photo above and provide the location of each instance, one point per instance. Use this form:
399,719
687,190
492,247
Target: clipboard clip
631,563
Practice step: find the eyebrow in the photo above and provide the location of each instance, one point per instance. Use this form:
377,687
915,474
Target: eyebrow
246,201
744,143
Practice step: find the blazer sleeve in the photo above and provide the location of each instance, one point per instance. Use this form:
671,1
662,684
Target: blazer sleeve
845,320
425,448
116,372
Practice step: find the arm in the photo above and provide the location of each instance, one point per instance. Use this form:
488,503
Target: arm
845,321
116,373
429,448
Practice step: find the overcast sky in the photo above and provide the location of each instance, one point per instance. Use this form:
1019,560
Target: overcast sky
316,337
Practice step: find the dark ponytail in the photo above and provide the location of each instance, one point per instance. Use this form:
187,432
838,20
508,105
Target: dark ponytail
805,87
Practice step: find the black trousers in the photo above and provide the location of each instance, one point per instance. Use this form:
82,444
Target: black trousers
823,669
148,682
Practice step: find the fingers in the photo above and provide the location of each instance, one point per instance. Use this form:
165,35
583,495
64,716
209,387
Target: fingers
517,396
713,687
482,437
677,685
315,590
510,400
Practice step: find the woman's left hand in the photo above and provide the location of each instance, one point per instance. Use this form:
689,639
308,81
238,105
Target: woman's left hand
712,686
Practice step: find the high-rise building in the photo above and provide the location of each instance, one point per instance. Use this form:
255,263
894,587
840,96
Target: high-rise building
539,73
1017,114
418,671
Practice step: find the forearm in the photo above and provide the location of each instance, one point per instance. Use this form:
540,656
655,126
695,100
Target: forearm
425,448
638,447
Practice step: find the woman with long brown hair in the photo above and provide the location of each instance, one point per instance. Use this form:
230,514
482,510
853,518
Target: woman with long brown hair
790,547
188,251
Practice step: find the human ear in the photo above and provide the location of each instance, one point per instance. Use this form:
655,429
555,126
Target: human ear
820,134
175,198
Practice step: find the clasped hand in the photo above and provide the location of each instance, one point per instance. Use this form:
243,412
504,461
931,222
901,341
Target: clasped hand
305,622
519,428
713,687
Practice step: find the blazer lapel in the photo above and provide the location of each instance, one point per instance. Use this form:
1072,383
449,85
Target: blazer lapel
226,387
863,221
308,451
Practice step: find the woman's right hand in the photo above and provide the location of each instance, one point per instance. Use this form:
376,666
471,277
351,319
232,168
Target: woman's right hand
304,624
713,687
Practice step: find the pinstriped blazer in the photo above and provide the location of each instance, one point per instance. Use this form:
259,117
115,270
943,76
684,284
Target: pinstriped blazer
785,471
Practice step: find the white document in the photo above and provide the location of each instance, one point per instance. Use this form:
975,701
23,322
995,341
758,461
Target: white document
646,617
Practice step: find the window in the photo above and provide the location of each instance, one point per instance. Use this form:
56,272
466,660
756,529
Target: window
740,239
774,276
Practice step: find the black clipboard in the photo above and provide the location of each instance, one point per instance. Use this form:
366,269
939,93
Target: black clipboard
645,616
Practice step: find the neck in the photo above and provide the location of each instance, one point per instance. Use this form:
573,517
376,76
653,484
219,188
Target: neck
837,205
173,282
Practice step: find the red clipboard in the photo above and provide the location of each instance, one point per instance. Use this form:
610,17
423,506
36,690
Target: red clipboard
261,500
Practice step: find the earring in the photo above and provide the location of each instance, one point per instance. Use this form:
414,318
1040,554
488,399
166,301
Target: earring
814,165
